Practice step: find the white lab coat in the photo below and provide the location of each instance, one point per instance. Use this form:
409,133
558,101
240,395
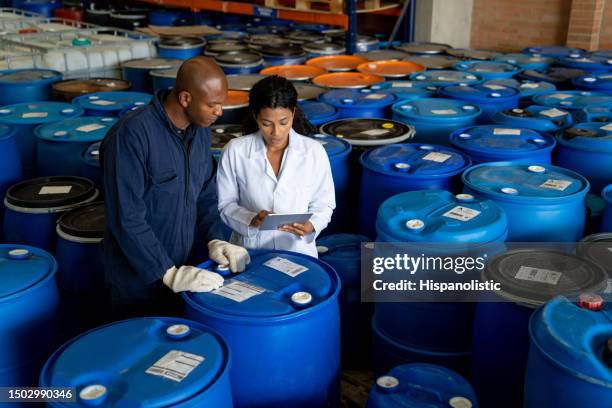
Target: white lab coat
247,184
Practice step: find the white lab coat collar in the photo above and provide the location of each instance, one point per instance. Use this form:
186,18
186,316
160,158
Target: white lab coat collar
295,143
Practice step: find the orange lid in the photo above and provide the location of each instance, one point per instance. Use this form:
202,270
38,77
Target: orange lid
236,99
347,80
336,63
391,69
294,72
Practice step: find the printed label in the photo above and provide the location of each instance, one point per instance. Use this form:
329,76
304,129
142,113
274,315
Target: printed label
608,127
376,96
462,213
175,365
30,115
103,103
561,96
402,85
90,128
553,113
530,86
285,266
495,87
538,275
499,131
437,157
238,291
444,112
55,190
559,185
375,132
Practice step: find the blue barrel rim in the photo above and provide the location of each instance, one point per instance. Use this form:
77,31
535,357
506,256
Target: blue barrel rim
53,266
396,108
337,97
137,98
467,66
550,145
452,92
39,131
562,140
68,109
415,77
540,99
347,146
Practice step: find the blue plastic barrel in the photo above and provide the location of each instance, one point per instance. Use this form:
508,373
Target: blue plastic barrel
240,62
27,85
90,164
280,318
180,47
586,148
359,103
10,164
603,53
153,362
60,144
588,63
431,332
318,113
283,55
573,101
164,17
543,203
422,385
554,51
25,117
570,357
34,206
606,222
594,82
597,113
434,119
489,143
29,305
526,88
164,78
526,61
222,135
110,103
405,90
445,78
491,98
392,169
489,69
43,7
138,71
536,117
528,278
559,76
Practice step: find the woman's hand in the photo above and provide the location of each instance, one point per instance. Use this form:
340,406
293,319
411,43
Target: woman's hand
298,229
259,218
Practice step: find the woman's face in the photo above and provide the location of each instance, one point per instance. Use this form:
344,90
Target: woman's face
275,124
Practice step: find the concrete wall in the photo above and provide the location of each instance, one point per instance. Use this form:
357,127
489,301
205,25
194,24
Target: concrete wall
444,21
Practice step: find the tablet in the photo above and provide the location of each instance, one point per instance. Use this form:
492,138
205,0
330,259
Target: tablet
275,221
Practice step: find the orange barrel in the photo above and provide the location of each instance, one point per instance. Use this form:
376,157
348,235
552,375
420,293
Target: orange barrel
294,72
433,61
338,63
390,69
65,91
235,108
347,80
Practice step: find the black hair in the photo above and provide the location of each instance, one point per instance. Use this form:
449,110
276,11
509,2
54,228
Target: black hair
276,92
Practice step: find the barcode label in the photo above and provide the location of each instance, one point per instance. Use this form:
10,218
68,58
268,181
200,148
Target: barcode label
175,365
462,213
375,132
561,96
495,87
499,131
527,273
285,266
54,190
437,157
559,185
553,113
103,103
31,115
90,128
238,291
376,96
444,112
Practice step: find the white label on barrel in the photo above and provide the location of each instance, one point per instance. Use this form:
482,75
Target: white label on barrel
462,213
444,112
495,87
285,266
375,132
402,85
553,113
530,85
528,273
103,103
90,128
175,365
238,291
500,131
55,190
437,157
559,185
561,96
376,96
608,127
605,77
31,115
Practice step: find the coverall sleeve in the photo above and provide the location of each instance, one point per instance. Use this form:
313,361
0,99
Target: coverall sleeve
210,225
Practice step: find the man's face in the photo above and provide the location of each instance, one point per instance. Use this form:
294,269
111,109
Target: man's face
206,104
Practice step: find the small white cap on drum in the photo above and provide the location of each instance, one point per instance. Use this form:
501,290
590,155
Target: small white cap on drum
401,166
387,382
460,402
496,95
93,393
301,298
517,110
465,136
69,110
509,191
18,253
469,107
178,331
106,119
536,169
415,224
322,249
140,103
220,130
590,79
471,77
464,197
420,77
93,97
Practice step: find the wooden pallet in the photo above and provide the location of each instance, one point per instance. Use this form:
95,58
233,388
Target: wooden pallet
325,6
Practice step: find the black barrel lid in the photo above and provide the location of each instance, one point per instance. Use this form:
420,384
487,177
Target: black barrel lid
598,248
470,54
554,74
423,48
222,134
262,40
534,276
323,47
366,129
221,48
305,37
308,91
238,58
135,14
243,82
282,51
573,132
84,221
182,42
607,353
433,61
51,192
382,55
518,113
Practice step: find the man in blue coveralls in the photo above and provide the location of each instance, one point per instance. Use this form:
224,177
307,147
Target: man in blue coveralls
159,182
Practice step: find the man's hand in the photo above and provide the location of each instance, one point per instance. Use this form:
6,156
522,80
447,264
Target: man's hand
225,253
190,278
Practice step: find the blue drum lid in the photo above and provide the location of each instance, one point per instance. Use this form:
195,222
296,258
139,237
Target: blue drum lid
442,78
50,192
603,53
554,75
360,98
82,129
403,88
595,81
223,134
275,284
602,113
525,60
6,132
22,267
534,276
414,161
368,132
341,247
525,182
571,100
38,112
151,63
29,76
554,51
439,216
91,155
487,67
499,140
333,146
526,88
595,137
319,111
481,93
144,362
421,385
575,338
112,101
592,62
536,113
437,110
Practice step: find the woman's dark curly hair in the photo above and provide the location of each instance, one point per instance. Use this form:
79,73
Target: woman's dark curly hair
276,92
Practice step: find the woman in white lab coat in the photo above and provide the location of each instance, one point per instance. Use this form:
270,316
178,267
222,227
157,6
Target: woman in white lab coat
275,168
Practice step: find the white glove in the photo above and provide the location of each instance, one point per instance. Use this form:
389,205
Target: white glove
190,278
225,253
